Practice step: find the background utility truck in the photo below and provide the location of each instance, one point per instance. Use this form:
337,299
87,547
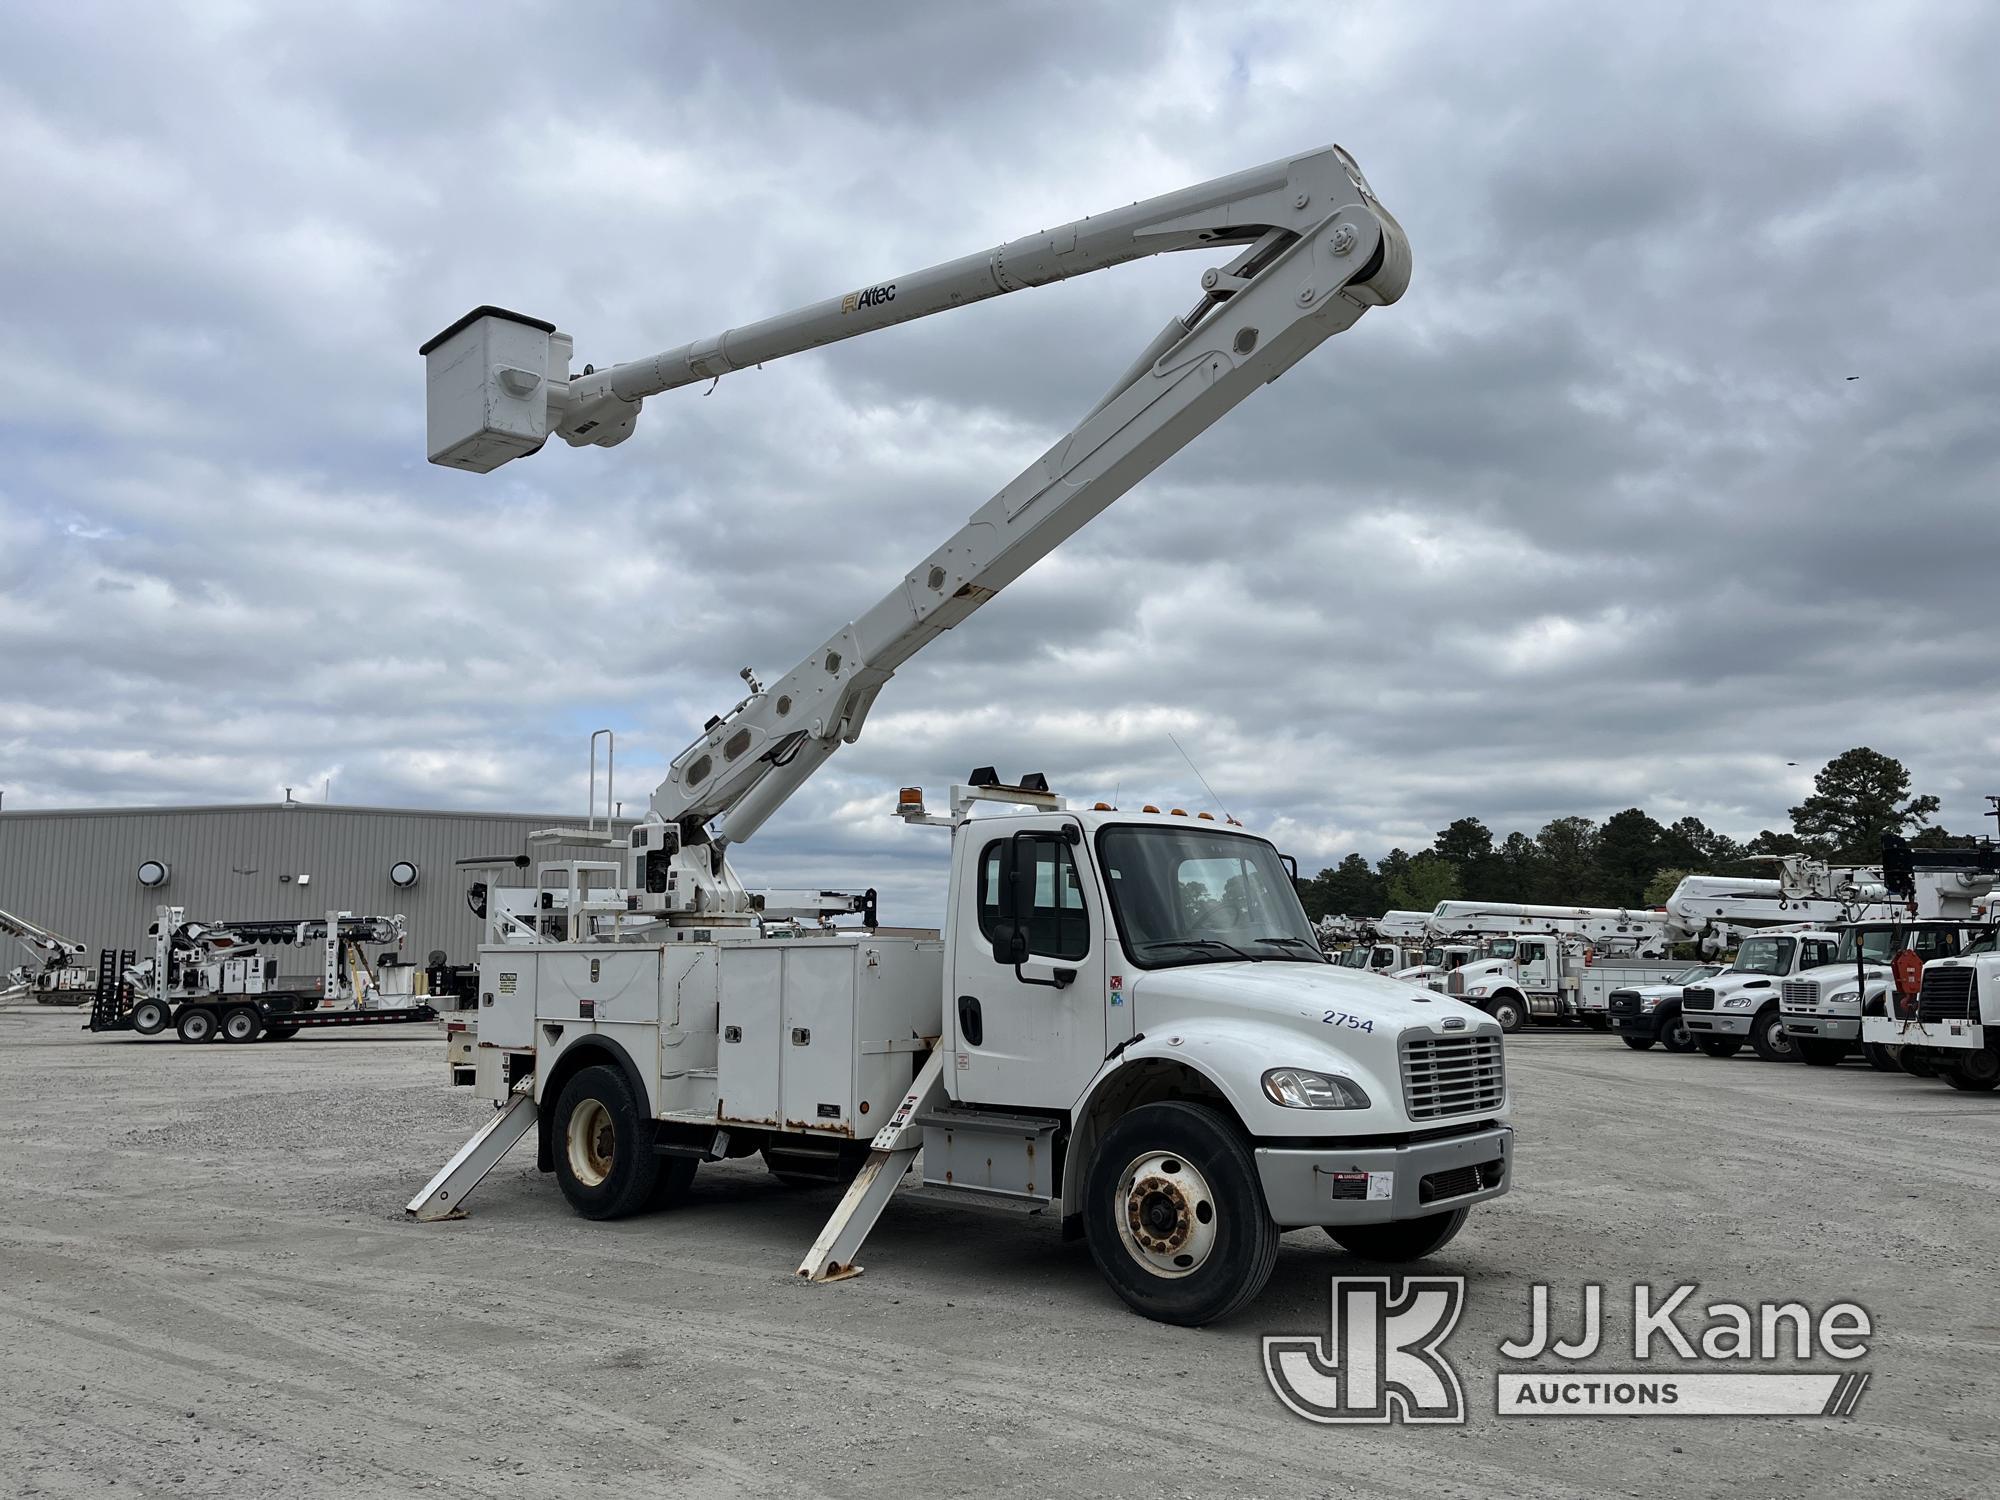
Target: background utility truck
1128,1017
1551,979
1741,1003
1643,1014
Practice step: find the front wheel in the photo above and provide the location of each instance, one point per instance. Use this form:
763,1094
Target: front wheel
1772,1041
1175,1216
150,1017
1412,1239
1974,1073
605,1162
1821,1053
1879,1057
1637,1043
1719,1046
1674,1034
1912,1061
1509,1012
197,1024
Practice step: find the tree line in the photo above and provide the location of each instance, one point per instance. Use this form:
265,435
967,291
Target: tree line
1631,859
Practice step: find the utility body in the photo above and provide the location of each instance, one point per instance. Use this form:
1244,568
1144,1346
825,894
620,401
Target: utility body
1126,1015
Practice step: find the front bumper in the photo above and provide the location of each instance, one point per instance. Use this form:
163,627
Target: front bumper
1644,1023
1890,1032
1718,1022
1401,1182
1829,1028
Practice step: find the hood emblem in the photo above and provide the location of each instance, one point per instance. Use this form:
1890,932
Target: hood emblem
1454,1023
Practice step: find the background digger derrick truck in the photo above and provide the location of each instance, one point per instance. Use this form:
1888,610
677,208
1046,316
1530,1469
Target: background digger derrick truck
1127,1016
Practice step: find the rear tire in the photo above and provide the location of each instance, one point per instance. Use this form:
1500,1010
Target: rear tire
196,1024
1674,1034
242,1023
1393,1244
1637,1043
1175,1215
1769,1037
603,1146
150,1017
1821,1053
1719,1046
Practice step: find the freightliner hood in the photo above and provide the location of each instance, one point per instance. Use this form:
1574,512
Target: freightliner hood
1232,1021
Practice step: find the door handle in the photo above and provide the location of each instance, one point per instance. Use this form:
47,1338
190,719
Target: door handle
971,1024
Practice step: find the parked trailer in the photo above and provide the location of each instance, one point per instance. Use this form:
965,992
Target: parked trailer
209,980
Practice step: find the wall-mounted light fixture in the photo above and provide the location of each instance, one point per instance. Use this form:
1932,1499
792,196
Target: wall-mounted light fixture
154,872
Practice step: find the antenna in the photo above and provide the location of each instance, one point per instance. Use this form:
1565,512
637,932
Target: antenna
1199,777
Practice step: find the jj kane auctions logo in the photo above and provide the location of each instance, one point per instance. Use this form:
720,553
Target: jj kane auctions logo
1382,1360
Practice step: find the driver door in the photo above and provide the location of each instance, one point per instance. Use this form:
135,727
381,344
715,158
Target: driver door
1018,1039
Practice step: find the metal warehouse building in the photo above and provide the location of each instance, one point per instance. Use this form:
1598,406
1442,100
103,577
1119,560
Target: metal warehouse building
97,874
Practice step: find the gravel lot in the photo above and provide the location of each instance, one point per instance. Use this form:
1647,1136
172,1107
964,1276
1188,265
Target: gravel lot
207,1287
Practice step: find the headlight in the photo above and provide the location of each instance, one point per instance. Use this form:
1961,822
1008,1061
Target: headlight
1477,989
1294,1088
1647,1002
1737,1002
1844,997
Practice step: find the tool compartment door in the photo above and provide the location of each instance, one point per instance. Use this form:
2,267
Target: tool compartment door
750,1012
817,1074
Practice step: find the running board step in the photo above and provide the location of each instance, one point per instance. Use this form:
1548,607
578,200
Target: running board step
991,1152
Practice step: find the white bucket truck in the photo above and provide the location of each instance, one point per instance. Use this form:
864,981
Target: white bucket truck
1741,1004
1127,1017
1941,1012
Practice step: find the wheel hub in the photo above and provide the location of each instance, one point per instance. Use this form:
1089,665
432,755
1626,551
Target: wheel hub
592,1142
1167,1217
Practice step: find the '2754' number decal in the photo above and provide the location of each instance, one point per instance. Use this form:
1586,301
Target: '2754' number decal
1342,1018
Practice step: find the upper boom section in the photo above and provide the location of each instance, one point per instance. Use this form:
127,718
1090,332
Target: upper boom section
500,383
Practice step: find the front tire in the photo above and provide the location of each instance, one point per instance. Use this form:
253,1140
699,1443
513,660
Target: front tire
1820,1053
1637,1043
1772,1041
1394,1244
1879,1057
150,1017
1175,1215
1509,1012
1912,1061
1719,1046
1976,1073
1674,1034
603,1146
197,1024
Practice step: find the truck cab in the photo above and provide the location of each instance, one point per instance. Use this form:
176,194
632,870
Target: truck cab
1741,1004
1823,1008
1950,1025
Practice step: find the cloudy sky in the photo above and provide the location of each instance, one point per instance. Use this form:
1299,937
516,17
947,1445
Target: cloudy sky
1593,517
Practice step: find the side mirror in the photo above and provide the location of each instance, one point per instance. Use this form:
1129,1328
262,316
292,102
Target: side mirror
1010,932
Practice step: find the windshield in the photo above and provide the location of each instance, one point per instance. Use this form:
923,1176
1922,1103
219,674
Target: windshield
1355,958
1500,948
1197,895
1693,976
1433,956
1875,945
1764,955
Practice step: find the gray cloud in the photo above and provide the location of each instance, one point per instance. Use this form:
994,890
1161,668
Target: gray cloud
1592,518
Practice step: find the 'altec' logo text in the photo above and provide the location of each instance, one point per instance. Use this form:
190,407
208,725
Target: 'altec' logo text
1382,1358
869,296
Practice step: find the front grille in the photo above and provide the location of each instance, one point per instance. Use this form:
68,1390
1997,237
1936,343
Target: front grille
1698,998
1623,1003
1799,995
1456,1182
1452,1075
1949,994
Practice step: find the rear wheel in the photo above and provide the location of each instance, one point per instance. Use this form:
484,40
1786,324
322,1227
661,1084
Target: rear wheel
241,1023
1175,1215
150,1017
197,1024
1719,1046
1637,1043
603,1146
1412,1239
1769,1037
1674,1034
1509,1012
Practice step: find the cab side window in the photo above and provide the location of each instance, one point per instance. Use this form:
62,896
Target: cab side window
1058,926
